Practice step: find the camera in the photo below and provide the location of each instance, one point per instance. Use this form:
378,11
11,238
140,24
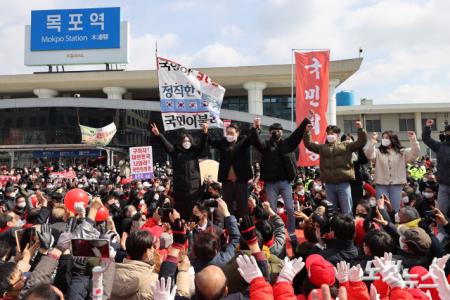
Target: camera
164,211
211,202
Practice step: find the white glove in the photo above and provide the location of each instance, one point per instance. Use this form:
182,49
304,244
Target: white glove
389,272
248,268
161,290
441,262
80,209
373,293
341,271
356,273
290,269
439,278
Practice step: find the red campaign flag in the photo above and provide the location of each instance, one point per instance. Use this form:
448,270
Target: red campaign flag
312,76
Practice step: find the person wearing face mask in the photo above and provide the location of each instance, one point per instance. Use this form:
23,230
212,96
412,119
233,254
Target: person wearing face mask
336,164
278,166
21,206
390,160
428,201
187,186
235,168
10,198
442,150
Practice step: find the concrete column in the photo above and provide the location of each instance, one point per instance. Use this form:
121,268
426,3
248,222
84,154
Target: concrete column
114,92
418,124
331,114
255,96
45,93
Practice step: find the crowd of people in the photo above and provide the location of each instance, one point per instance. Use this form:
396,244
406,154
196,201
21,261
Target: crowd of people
369,223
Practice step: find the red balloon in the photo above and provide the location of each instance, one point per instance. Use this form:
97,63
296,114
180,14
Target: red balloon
102,214
73,196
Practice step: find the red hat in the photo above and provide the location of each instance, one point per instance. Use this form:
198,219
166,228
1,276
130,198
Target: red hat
102,214
421,271
360,232
319,270
156,230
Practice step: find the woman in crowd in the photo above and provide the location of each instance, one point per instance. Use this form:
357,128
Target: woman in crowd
390,159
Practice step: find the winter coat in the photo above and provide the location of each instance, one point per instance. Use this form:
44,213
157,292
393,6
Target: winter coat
442,150
236,156
278,161
336,165
339,250
133,281
186,168
390,168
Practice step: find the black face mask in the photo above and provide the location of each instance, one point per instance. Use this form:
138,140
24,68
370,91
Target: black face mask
276,135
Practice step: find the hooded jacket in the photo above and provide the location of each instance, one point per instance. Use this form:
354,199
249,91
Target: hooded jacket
133,281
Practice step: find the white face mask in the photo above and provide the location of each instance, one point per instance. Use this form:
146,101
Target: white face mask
331,138
317,187
280,210
396,218
23,186
386,142
156,197
20,223
186,145
231,138
301,193
427,195
160,189
405,200
21,205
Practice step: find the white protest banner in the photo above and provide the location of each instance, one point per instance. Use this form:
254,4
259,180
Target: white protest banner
98,136
189,98
141,162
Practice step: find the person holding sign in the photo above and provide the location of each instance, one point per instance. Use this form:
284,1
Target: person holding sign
278,167
235,169
186,168
336,165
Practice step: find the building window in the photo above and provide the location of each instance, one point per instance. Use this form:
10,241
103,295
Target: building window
278,107
433,127
349,126
406,125
239,103
373,125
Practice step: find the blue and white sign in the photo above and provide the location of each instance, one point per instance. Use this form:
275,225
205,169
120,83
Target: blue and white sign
75,29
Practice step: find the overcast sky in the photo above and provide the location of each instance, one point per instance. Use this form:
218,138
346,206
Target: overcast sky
406,43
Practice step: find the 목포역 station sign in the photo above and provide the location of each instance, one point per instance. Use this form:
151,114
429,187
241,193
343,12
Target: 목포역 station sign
76,36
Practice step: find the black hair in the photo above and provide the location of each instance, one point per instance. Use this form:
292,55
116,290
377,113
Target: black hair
137,244
266,230
206,245
364,203
235,126
334,128
216,186
259,213
347,135
395,143
6,270
343,226
6,250
379,242
33,216
43,291
4,219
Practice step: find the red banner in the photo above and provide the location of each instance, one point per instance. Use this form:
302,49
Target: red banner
312,76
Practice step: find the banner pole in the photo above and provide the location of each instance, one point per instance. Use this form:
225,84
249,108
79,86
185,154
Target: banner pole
292,90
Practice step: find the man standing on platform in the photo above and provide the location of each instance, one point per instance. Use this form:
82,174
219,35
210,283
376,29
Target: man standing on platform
278,166
235,168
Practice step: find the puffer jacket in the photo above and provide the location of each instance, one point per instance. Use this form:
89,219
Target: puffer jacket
133,281
442,150
336,164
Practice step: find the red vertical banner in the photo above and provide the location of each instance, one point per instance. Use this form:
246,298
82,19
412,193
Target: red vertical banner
312,76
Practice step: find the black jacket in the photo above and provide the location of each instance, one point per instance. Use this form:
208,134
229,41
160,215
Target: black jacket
237,155
278,159
186,169
442,150
339,250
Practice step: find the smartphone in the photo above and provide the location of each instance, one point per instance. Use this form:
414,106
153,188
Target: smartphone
24,237
90,248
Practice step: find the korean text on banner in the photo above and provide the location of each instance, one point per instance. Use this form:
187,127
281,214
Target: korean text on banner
312,76
189,98
98,136
141,162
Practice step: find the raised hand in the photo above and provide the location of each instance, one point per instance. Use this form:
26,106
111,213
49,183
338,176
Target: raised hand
290,269
223,207
205,127
248,268
440,279
161,290
430,122
309,127
341,271
247,229
154,129
374,137
45,236
412,136
356,273
257,123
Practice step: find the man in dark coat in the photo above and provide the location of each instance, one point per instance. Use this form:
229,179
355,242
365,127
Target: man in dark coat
278,166
235,168
186,169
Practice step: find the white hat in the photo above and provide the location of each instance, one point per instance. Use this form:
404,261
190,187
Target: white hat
146,184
